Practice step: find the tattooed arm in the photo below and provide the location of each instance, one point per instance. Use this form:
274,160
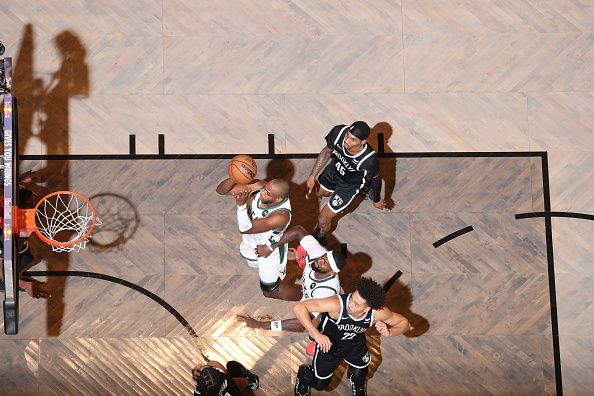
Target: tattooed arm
321,162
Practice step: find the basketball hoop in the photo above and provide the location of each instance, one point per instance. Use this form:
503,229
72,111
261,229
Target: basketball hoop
63,219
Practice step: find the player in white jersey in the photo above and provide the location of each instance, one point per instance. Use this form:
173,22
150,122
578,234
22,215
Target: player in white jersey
319,279
263,214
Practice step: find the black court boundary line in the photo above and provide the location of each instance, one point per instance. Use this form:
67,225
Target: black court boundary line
381,154
571,215
123,282
551,271
270,155
112,157
453,235
390,282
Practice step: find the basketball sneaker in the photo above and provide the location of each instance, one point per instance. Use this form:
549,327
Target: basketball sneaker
237,369
301,389
300,256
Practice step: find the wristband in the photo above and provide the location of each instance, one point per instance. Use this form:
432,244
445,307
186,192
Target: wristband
243,219
276,325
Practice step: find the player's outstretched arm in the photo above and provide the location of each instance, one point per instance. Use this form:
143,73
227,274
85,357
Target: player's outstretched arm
291,324
390,323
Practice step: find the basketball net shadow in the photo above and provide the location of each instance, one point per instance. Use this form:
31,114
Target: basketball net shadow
119,221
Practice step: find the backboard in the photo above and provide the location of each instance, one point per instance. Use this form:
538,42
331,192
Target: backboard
10,198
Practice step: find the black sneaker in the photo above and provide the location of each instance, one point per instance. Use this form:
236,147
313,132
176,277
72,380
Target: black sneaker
301,389
253,381
237,369
360,390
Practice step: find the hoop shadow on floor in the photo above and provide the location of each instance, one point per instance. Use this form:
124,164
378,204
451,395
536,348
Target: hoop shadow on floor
119,221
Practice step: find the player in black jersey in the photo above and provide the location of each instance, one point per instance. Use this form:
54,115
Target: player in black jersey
353,169
341,334
212,379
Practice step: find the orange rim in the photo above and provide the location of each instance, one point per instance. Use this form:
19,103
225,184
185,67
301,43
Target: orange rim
64,244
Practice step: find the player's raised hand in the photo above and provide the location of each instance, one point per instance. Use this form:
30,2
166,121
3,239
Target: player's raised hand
324,342
263,251
382,328
241,197
309,186
381,204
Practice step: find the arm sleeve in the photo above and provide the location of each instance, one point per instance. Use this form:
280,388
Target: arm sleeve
332,135
375,192
373,178
243,220
312,247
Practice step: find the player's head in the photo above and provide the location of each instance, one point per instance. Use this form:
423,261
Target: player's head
209,380
356,136
275,191
332,261
369,295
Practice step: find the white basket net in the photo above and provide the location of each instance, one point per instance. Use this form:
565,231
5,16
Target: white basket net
65,217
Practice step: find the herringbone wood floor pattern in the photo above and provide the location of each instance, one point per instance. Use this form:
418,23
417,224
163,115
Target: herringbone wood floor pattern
217,77
480,301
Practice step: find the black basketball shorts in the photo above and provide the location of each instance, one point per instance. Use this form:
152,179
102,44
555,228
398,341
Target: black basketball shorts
342,193
324,364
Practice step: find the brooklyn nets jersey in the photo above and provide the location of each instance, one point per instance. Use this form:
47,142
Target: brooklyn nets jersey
346,331
256,211
356,169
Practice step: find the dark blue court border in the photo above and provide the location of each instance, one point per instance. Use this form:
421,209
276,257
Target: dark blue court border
547,214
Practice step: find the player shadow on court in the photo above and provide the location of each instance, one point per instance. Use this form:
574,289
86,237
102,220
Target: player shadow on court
44,127
399,298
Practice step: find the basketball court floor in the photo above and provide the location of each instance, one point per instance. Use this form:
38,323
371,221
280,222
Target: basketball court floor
484,112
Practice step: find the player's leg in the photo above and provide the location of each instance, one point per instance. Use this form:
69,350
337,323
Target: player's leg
323,367
358,378
327,181
358,360
248,253
324,222
271,270
34,288
280,291
340,199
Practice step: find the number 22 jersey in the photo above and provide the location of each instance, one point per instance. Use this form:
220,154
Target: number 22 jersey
346,331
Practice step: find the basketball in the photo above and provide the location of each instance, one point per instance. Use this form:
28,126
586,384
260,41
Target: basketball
242,169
